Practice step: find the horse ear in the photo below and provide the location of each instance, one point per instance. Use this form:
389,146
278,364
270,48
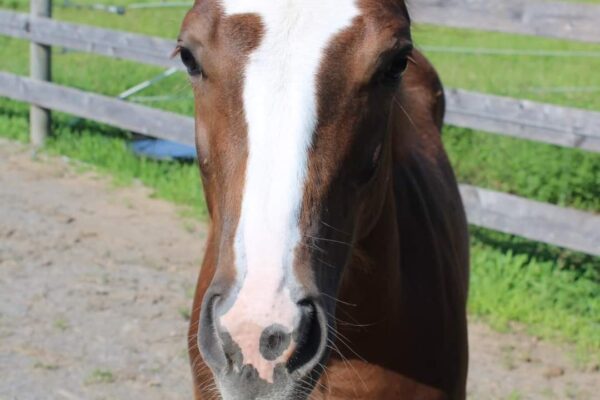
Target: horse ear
200,3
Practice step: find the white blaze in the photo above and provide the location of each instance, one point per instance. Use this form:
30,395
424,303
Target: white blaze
280,105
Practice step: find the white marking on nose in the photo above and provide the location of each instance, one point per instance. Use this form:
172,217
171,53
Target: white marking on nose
280,104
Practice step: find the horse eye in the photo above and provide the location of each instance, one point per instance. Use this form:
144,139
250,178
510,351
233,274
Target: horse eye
395,69
188,59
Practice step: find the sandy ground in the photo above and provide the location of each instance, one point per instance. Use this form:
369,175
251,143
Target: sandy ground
96,285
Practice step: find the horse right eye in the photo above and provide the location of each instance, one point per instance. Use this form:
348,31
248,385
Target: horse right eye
396,69
188,59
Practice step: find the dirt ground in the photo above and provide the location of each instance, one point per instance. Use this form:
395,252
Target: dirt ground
96,284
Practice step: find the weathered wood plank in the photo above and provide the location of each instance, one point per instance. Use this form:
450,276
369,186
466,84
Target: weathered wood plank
118,113
525,119
124,45
40,68
532,17
564,227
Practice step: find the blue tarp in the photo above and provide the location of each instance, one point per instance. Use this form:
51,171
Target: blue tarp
159,149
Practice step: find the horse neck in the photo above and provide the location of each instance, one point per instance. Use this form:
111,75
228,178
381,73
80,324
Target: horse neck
369,282
402,296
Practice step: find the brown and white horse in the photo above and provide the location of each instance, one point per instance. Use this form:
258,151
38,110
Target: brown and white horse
337,261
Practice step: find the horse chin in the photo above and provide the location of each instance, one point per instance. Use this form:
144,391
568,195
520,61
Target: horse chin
285,386
281,390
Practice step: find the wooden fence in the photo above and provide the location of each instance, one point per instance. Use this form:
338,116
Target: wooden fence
525,119
529,17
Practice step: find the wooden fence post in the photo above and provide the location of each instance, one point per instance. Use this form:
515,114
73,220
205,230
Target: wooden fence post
40,68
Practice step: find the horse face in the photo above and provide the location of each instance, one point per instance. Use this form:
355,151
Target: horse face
292,104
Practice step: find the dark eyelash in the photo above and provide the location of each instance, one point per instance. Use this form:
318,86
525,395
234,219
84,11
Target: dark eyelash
188,59
396,66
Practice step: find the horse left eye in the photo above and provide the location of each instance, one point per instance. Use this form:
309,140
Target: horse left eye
188,59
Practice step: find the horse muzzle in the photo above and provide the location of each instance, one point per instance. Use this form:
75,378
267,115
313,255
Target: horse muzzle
270,348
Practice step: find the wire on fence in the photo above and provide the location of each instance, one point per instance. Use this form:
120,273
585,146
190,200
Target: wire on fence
122,10
515,117
480,51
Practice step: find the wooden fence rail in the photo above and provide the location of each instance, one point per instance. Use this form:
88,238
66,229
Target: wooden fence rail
498,211
533,220
520,118
541,18
515,117
119,113
564,126
106,42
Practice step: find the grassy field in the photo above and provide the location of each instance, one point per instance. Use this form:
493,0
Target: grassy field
553,292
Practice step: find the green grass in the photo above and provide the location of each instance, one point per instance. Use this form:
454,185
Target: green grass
106,150
553,292
100,376
580,1
100,74
176,182
162,22
548,173
571,81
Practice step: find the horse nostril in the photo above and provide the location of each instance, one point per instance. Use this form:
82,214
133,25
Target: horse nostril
310,339
273,342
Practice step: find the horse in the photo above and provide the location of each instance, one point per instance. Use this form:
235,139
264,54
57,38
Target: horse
337,263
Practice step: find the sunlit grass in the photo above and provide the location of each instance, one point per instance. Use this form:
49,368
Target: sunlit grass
553,292
565,80
106,150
